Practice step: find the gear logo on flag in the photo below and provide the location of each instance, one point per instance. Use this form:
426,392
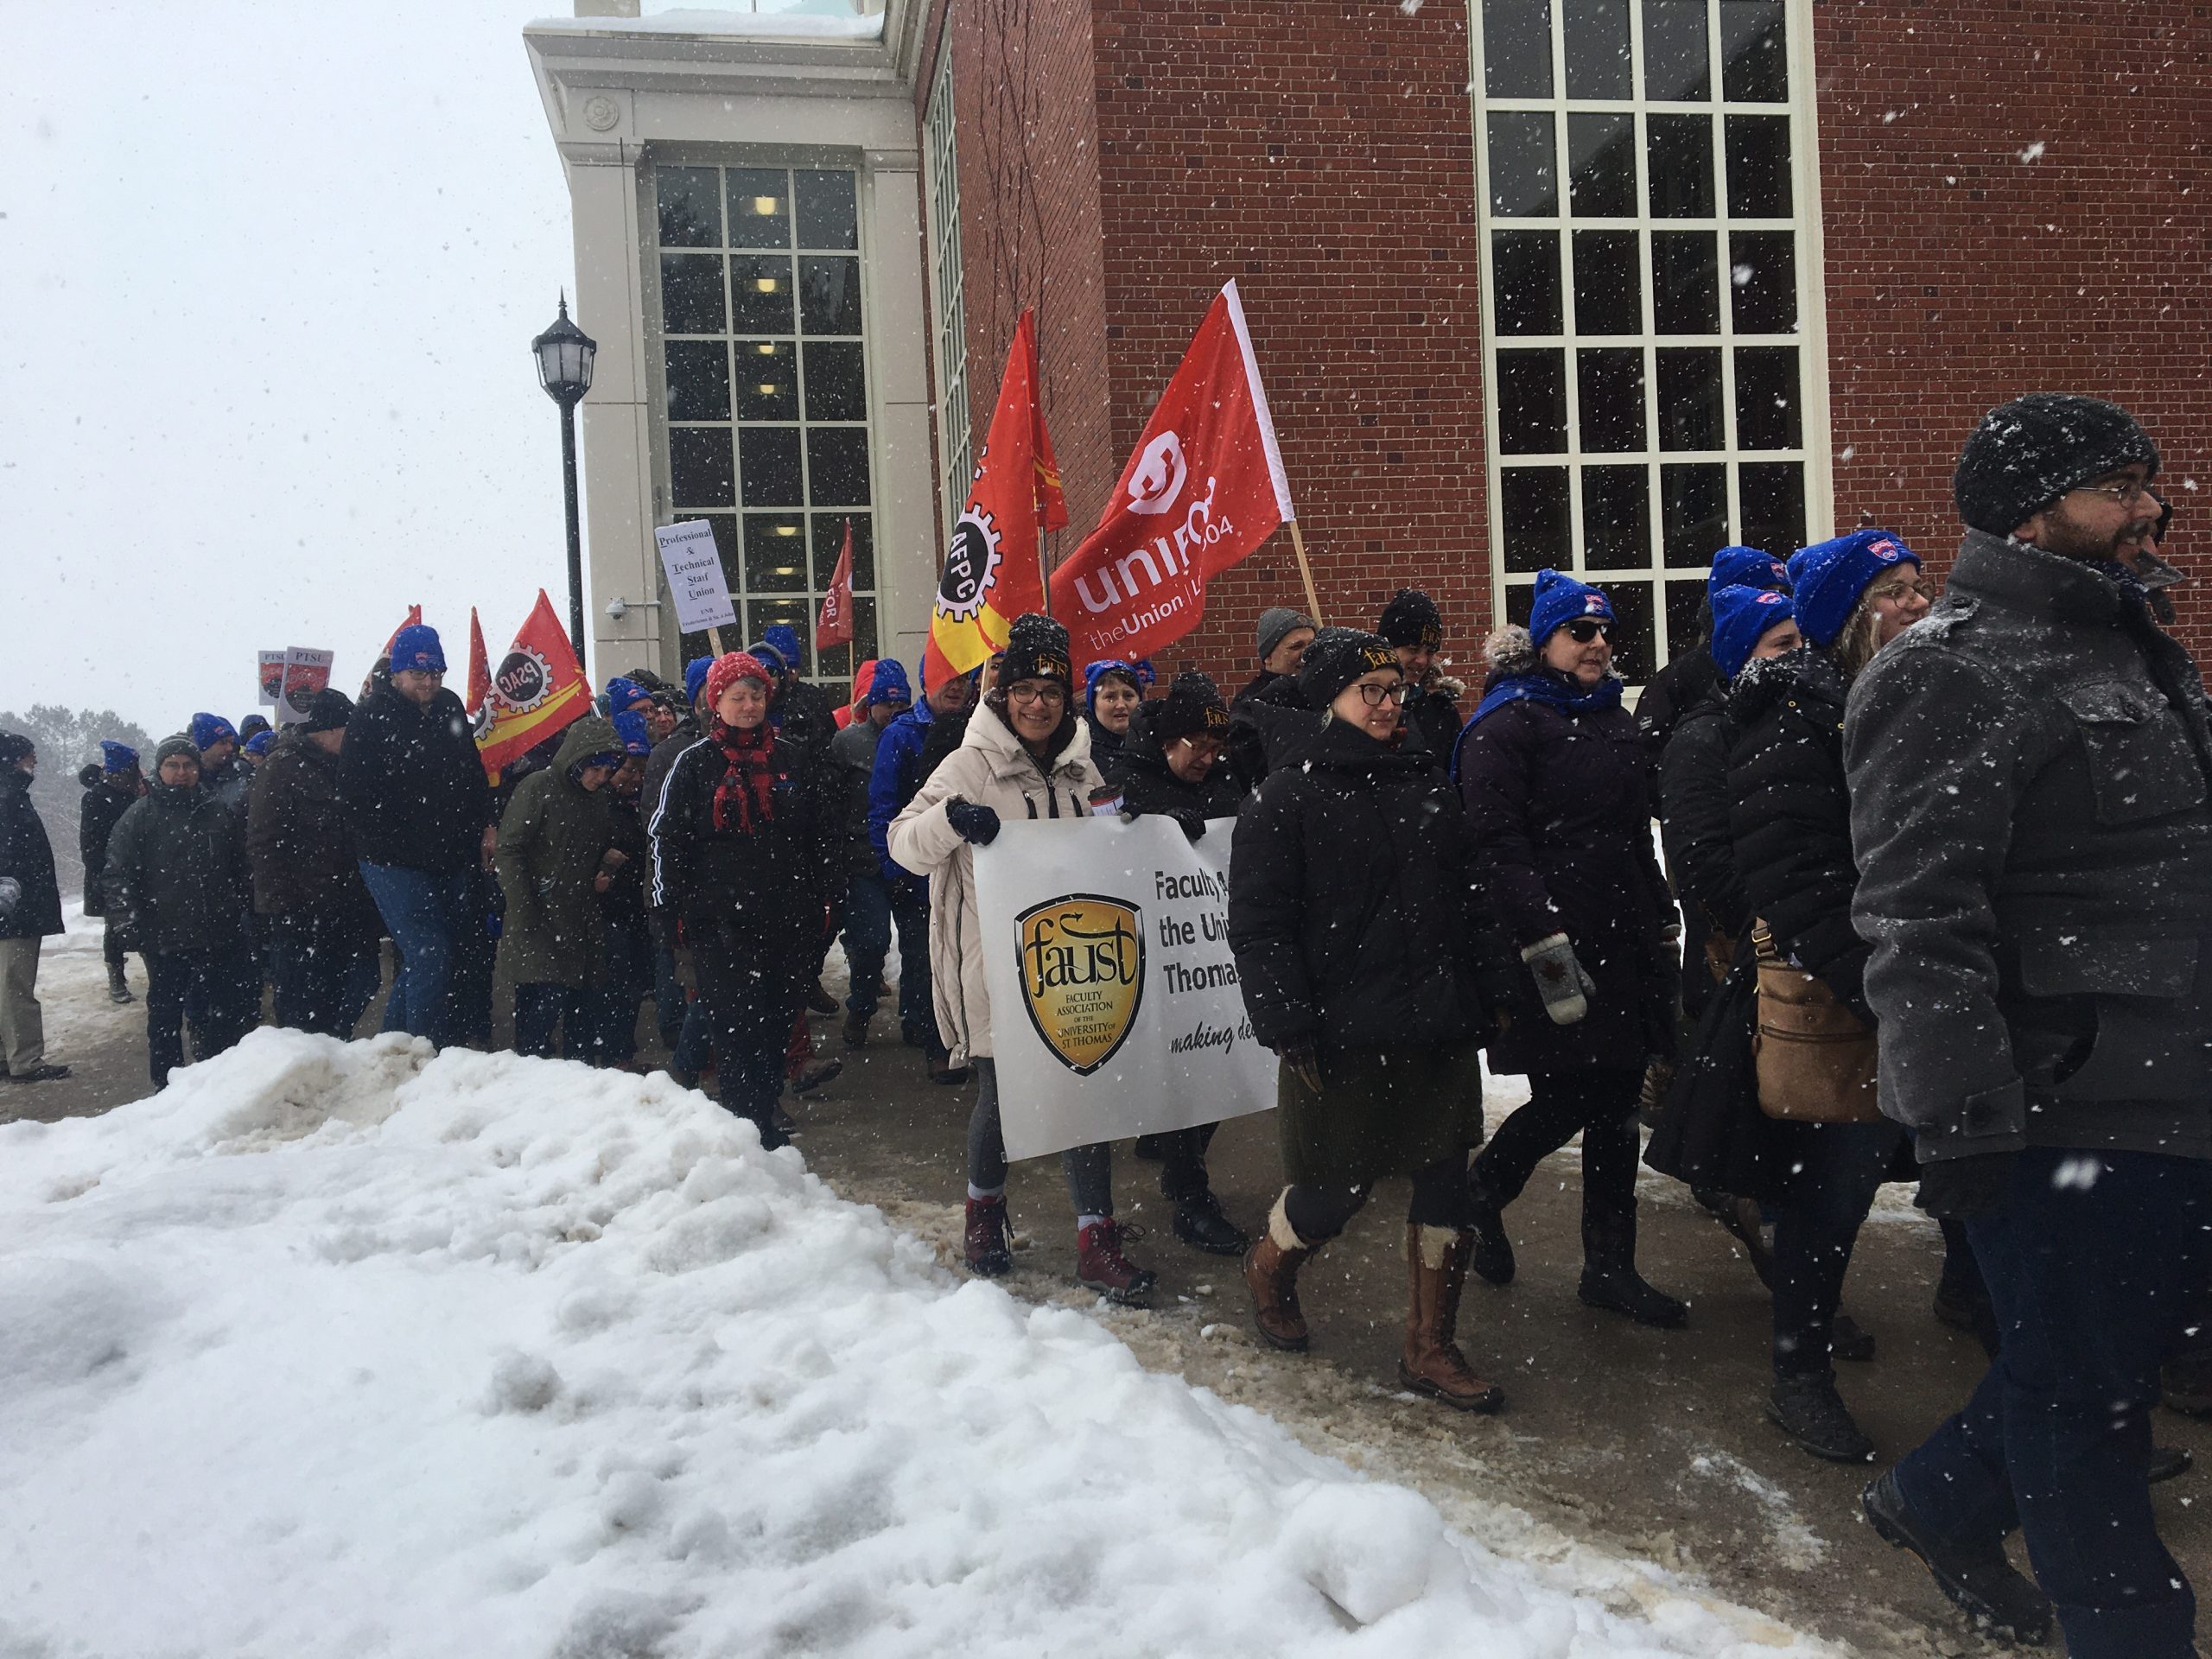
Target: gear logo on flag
1158,477
969,566
523,679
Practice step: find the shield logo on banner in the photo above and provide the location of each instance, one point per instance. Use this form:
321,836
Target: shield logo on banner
1082,976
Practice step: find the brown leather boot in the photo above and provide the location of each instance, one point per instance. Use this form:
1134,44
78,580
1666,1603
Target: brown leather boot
1271,1274
1431,1363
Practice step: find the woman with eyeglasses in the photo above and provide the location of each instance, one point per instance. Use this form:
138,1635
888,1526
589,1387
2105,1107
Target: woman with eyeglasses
1371,965
1556,780
1025,755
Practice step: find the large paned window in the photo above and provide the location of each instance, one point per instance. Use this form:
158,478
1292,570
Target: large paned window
956,443
1650,319
766,378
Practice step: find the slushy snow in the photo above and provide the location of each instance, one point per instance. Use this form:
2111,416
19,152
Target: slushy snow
346,1350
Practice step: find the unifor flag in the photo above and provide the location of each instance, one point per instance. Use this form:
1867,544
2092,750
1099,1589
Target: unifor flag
835,625
537,689
991,570
1205,487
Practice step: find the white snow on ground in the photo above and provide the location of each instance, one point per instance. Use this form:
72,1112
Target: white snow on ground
342,1349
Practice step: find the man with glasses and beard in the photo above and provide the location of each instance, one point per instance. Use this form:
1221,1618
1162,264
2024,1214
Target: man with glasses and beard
2033,824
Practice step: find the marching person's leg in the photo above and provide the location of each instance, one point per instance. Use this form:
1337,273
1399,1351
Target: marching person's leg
1557,1107
867,942
1610,1147
1099,1262
168,973
1816,1226
1439,1242
1200,1222
1306,1217
985,1242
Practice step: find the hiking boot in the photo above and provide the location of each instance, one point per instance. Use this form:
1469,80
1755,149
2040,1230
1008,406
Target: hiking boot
1493,1252
984,1245
1847,1341
1744,1225
856,1030
1981,1583
814,1074
2166,1463
118,987
39,1074
1810,1412
818,1000
1100,1265
1271,1274
1430,1364
1201,1224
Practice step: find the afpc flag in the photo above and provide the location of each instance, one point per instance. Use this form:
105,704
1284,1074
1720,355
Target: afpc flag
536,691
991,572
1205,487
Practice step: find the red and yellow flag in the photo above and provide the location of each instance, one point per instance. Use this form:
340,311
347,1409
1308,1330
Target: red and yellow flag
537,690
991,568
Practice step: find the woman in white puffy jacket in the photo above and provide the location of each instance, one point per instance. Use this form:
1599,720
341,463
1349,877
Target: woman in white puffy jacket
1026,756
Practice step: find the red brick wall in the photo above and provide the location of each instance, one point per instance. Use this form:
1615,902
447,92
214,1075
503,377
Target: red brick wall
1960,274
1322,155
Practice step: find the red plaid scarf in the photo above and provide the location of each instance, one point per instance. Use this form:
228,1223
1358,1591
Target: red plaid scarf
743,794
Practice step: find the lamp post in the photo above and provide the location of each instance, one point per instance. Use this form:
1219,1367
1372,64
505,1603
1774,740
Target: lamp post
565,354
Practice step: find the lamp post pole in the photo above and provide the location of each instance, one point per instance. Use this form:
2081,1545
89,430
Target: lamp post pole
565,355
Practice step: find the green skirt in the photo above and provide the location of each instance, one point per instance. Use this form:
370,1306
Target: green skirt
1381,1112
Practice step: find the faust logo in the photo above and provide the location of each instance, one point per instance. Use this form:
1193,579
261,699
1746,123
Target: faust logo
1082,976
1159,476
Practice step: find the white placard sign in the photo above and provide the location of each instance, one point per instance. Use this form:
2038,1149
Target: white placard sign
1115,1010
696,582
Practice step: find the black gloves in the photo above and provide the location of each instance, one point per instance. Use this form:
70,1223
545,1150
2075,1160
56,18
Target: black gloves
973,824
1958,1189
1192,824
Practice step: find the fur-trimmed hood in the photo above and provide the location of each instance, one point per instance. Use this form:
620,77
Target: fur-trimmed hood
1511,651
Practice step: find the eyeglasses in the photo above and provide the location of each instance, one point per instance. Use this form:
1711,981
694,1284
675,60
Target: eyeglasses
2124,492
1897,592
1052,696
1584,629
1375,696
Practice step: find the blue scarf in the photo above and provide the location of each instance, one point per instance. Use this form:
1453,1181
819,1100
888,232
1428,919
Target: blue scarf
1541,686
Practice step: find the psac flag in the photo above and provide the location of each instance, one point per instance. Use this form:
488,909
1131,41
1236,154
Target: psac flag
991,574
536,691
1205,487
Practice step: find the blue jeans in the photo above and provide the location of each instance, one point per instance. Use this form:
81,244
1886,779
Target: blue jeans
872,905
1814,1231
426,912
540,1009
2092,1266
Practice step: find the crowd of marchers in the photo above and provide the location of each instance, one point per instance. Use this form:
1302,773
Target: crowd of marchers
1936,907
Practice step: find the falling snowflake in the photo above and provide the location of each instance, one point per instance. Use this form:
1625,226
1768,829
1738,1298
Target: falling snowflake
1740,274
1409,7
2033,152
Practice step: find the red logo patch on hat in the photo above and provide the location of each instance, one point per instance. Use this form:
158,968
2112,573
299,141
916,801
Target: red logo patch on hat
1594,605
1885,551
1768,599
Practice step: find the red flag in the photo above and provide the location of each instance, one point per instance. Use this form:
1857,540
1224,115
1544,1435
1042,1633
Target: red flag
835,625
991,572
414,616
480,666
1205,487
538,690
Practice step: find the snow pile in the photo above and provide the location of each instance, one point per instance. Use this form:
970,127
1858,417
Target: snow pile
341,1349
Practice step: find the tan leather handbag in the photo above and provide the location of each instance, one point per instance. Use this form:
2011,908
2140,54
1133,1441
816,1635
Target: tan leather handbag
1815,1058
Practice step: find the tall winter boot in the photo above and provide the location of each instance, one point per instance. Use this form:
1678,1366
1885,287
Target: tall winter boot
1271,1274
1431,1362
118,987
1609,1279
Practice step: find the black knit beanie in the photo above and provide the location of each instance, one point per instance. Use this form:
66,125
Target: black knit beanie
328,711
1192,708
2028,452
1411,619
1036,649
1336,658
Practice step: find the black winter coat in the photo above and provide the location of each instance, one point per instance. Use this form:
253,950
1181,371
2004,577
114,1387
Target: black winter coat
1106,749
1560,806
1355,906
761,893
1149,785
178,877
1432,721
663,757
1669,695
1268,720
1701,846
1789,816
413,783
806,713
301,842
27,857
104,806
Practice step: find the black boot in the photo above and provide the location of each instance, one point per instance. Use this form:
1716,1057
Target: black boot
118,987
1609,1279
1493,1259
1201,1222
1810,1412
1981,1583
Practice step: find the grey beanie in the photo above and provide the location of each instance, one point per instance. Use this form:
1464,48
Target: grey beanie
181,745
1278,624
2026,454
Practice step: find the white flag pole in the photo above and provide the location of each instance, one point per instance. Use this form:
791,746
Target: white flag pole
1276,472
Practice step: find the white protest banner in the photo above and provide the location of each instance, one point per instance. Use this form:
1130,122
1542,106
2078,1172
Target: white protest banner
696,581
1115,1010
270,678
305,672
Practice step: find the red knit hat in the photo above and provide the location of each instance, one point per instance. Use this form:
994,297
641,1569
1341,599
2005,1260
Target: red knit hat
732,667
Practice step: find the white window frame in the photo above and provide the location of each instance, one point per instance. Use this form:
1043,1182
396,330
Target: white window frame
1810,337
948,309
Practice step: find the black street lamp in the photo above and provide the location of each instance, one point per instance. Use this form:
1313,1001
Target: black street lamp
565,354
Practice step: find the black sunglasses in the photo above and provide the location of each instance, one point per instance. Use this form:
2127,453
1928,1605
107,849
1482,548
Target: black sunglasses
1584,629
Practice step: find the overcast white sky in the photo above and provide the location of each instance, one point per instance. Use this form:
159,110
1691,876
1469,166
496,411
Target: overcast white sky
269,274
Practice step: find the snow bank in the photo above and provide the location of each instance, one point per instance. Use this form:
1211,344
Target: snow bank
342,1349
